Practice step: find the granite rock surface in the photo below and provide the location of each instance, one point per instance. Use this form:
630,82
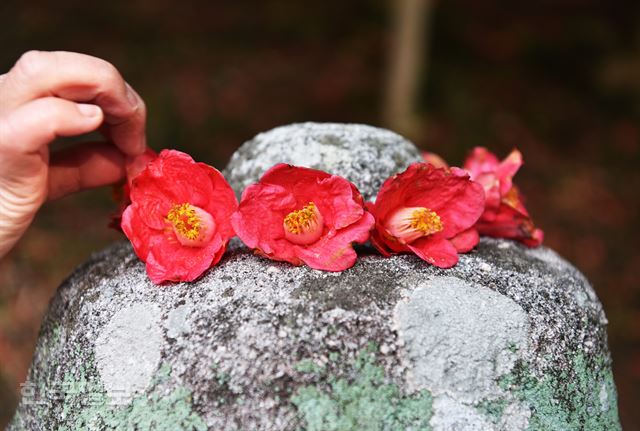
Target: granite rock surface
509,339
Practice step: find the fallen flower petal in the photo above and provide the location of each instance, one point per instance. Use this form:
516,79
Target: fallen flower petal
428,211
303,216
505,215
179,217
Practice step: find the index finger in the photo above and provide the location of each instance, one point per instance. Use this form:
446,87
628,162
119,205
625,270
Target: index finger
80,78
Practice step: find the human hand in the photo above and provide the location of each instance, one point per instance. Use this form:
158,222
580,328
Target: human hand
52,94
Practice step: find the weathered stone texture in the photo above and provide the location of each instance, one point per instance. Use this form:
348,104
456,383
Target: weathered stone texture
509,339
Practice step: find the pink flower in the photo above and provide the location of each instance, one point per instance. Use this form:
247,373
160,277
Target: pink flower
302,215
428,211
505,215
179,218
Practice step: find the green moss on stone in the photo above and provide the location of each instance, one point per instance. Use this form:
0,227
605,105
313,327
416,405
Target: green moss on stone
88,407
583,398
163,373
222,378
308,366
493,409
364,402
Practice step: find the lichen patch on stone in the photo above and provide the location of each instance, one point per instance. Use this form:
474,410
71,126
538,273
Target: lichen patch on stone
177,322
127,350
481,328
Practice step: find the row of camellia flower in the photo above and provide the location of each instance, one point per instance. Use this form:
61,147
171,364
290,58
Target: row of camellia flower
180,215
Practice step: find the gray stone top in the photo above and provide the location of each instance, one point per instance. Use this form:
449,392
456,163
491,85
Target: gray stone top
364,155
509,339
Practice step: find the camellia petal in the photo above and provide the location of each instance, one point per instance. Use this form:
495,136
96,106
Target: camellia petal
481,160
466,240
507,169
140,236
136,164
511,223
505,215
179,217
428,211
174,262
303,215
436,251
335,253
265,233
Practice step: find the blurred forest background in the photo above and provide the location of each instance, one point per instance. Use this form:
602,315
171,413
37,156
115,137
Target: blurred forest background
559,79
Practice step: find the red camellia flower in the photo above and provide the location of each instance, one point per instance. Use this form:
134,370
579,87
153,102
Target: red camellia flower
302,215
505,215
179,217
428,211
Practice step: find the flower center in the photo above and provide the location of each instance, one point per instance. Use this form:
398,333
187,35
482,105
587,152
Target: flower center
303,226
409,224
192,225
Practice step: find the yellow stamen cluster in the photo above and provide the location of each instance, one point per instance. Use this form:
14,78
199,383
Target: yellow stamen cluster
301,220
426,221
185,221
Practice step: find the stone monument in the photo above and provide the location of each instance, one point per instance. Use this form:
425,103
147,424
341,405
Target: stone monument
509,339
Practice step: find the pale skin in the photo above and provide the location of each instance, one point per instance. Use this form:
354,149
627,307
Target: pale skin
47,95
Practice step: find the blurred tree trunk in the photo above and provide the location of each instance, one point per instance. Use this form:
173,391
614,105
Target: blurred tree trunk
407,64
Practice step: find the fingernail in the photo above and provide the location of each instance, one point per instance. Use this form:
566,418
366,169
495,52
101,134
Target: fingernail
88,110
131,96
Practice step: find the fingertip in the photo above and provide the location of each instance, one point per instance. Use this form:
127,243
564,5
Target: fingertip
132,96
130,137
90,111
